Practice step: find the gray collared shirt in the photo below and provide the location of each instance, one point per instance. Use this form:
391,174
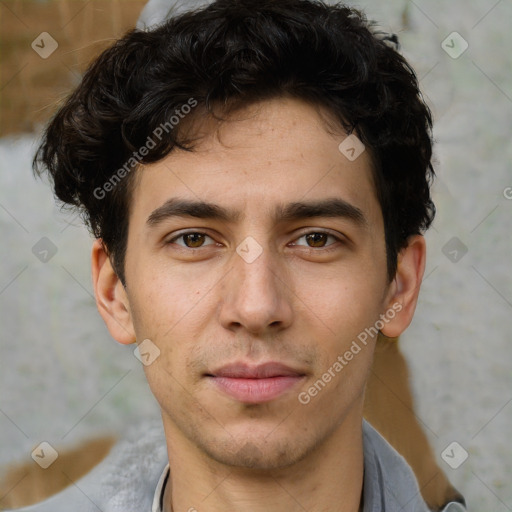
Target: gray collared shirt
389,483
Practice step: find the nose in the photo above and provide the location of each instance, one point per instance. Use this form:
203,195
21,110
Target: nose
256,295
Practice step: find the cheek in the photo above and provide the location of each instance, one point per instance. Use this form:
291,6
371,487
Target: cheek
171,313
340,313
345,300
161,301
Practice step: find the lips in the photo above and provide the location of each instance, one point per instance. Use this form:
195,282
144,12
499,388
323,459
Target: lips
255,384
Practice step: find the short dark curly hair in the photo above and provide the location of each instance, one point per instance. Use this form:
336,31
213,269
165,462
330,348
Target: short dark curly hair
230,54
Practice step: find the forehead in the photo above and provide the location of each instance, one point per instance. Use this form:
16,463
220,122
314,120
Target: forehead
266,155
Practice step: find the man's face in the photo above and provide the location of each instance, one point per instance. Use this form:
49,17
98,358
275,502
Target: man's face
287,277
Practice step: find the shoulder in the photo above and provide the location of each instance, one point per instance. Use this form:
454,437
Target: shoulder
389,482
125,480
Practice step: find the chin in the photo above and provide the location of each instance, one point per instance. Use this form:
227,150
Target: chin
252,455
259,450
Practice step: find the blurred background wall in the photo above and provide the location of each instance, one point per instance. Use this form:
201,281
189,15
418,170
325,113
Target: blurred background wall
62,378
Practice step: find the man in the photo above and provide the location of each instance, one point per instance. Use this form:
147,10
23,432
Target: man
256,175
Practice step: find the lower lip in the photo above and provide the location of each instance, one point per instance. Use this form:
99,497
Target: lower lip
255,391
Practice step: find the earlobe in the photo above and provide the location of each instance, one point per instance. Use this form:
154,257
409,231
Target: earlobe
405,287
111,298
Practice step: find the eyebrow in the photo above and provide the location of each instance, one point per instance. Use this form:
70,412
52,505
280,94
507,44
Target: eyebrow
333,207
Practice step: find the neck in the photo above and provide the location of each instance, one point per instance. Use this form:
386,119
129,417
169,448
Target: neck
331,474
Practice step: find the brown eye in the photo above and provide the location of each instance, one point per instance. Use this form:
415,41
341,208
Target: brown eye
317,239
192,240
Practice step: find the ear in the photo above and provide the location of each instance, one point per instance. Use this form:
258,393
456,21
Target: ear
111,298
404,290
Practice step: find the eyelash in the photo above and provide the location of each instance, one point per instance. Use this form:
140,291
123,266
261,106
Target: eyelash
329,234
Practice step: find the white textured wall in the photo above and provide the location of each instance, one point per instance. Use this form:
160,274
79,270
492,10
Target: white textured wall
63,378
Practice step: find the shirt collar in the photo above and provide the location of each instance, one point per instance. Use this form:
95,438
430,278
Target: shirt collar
158,498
